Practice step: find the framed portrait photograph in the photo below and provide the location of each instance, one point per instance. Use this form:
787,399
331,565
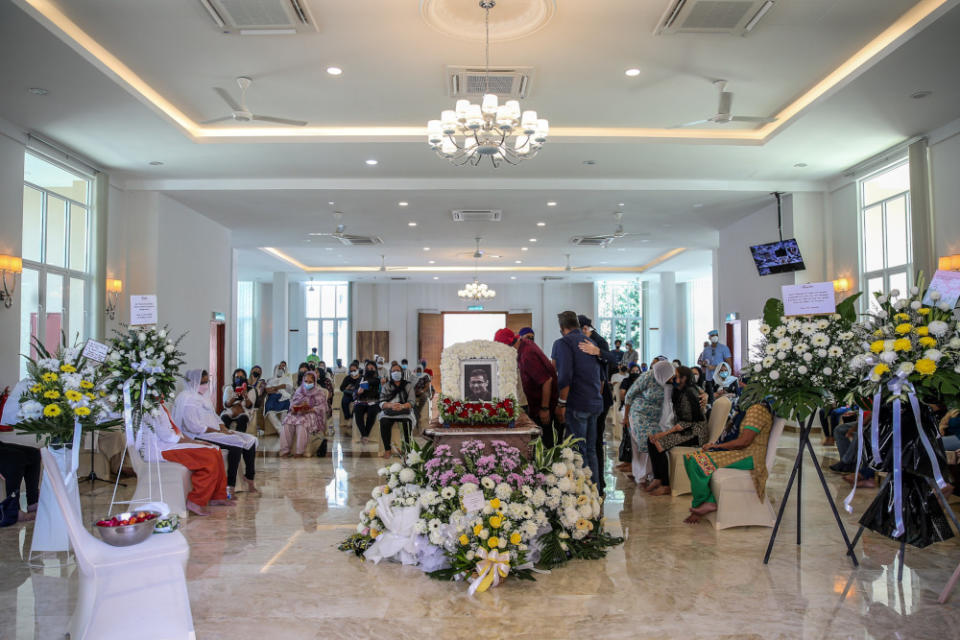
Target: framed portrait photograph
478,379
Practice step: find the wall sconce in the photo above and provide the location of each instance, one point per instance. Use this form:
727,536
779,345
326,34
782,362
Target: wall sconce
841,285
13,266
949,263
114,287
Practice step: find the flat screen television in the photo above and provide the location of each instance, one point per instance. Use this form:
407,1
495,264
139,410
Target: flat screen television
777,257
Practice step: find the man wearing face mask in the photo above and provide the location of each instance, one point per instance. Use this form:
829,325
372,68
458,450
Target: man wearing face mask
711,358
348,387
405,367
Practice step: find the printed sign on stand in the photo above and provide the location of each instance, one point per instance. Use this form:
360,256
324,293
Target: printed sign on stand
947,284
143,310
96,351
813,298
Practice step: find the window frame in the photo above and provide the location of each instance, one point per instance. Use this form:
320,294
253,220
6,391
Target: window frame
886,271
611,321
310,320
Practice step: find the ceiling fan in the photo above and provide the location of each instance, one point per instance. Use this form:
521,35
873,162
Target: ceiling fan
569,268
241,113
605,240
723,115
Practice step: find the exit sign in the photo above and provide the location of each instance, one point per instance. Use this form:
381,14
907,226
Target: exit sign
475,307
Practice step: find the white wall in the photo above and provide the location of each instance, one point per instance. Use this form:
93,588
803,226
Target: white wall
843,236
11,237
945,176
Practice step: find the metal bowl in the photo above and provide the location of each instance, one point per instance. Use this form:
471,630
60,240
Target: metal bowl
129,534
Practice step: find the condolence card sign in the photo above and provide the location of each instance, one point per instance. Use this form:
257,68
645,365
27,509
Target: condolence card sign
96,351
811,299
143,310
947,284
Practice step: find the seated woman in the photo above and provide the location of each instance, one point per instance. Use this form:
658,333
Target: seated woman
748,450
307,416
367,404
648,410
690,430
238,402
277,403
162,440
348,388
193,411
396,405
726,383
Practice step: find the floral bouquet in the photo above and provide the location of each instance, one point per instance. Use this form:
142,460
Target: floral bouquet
64,389
150,360
462,412
803,360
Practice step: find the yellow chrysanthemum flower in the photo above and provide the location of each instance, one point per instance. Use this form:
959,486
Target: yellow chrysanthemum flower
583,524
923,311
925,366
83,412
49,377
51,411
90,396
36,388
477,528
495,503
922,331
881,369
86,384
496,521
68,368
373,512
53,394
901,317
493,542
902,344
103,394
515,538
464,540
904,328
876,346
878,332
72,395
374,533
927,342
581,500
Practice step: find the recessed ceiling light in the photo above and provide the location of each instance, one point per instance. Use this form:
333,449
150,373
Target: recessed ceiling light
603,262
541,224
38,91
426,248
532,240
800,165
590,162
331,203
431,262
916,95
334,71
513,277
698,205
493,255
619,204
632,72
523,248
436,277
551,204
329,248
411,224
155,163
518,262
402,203
371,162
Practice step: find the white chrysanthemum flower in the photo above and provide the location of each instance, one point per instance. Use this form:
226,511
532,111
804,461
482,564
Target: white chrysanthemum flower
846,335
820,340
503,491
447,493
914,290
757,368
954,343
781,355
801,348
30,410
900,304
382,471
882,299
906,368
550,479
553,502
888,345
395,467
765,329
567,453
934,295
539,497
559,468
770,349
823,323
915,305
377,491
889,357
780,331
807,328
783,344
944,306
933,354
821,353
894,293
393,482
828,371
487,482
565,485
807,357
484,534
774,375
835,352
802,370
467,487
407,475
938,328
793,325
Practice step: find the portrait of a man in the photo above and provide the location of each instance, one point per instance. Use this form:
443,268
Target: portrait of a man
478,379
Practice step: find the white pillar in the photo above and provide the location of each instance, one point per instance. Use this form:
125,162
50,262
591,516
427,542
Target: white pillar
280,321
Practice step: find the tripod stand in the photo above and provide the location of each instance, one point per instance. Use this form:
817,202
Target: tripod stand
92,477
797,475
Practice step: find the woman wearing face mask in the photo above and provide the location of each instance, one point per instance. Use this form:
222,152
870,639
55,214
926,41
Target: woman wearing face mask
280,370
726,382
238,402
307,416
649,410
348,387
396,405
697,376
258,385
193,413
367,403
689,430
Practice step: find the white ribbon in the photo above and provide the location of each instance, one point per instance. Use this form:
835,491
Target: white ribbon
847,503
492,569
128,413
75,454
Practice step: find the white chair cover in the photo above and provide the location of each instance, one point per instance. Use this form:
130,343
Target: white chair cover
679,482
174,477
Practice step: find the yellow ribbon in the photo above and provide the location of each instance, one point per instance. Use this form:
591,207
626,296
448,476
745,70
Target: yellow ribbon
492,569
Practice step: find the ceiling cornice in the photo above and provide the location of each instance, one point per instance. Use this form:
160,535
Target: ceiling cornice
905,27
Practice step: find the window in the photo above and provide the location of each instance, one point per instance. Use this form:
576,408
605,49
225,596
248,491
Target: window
245,325
885,255
328,320
620,312
56,282
461,327
700,306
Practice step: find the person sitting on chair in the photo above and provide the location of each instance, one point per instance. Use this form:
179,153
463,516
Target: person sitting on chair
307,416
396,405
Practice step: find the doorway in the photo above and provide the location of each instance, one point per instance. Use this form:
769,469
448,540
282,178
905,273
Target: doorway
217,361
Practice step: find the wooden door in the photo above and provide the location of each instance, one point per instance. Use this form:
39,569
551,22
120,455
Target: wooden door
517,321
430,342
373,342
217,361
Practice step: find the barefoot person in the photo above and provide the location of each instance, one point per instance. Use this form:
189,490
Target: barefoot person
747,451
193,412
649,410
162,440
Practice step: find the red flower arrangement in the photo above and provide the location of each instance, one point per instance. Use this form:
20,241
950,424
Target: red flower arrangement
461,412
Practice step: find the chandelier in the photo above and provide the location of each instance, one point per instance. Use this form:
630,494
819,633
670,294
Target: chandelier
501,132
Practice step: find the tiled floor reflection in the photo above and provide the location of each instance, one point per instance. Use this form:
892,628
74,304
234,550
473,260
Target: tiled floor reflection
269,568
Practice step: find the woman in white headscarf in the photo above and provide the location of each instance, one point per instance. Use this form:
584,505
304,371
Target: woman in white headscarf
194,413
726,382
649,410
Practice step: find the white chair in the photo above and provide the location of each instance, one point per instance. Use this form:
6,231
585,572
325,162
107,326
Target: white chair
737,501
174,477
139,590
679,481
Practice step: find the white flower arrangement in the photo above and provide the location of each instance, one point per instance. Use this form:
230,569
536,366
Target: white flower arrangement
506,357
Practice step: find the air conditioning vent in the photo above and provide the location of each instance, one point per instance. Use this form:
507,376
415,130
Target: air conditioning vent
471,82
477,215
551,278
732,17
398,278
260,17
359,241
591,241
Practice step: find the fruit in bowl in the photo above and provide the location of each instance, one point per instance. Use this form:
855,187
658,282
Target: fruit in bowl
125,529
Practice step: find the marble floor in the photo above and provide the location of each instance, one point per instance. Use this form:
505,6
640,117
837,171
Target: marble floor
269,567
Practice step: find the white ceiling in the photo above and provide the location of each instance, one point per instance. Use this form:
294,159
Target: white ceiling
277,192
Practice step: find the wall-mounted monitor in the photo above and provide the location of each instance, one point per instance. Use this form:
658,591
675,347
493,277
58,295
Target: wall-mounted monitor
777,257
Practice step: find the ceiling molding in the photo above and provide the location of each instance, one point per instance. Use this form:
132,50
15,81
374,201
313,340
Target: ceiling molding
911,22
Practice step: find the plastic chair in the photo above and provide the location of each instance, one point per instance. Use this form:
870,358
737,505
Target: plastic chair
679,481
138,591
737,501
174,477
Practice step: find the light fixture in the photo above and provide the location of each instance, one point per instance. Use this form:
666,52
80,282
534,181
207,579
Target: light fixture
371,162
949,263
920,95
841,285
436,277
551,204
632,72
114,287
476,290
156,163
38,91
431,262
426,248
762,11
501,132
541,224
334,71
331,203
524,248
513,277
518,262
532,240
402,203
13,266
411,224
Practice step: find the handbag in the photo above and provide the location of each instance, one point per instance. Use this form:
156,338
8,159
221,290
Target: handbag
9,510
